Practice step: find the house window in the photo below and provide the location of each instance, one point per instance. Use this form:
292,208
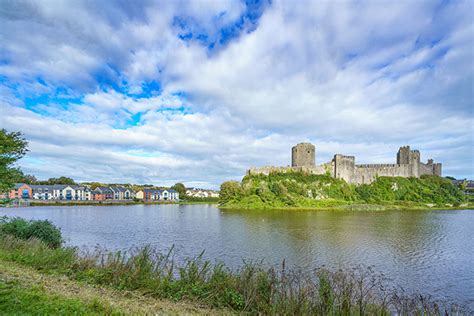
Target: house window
25,194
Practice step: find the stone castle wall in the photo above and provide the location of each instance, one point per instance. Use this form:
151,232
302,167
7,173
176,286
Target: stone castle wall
344,167
322,169
303,155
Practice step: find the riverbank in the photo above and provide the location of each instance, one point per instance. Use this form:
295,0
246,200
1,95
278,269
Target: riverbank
145,278
352,207
109,203
24,290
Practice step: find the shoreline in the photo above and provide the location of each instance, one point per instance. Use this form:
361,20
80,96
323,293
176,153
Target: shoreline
103,203
355,208
346,207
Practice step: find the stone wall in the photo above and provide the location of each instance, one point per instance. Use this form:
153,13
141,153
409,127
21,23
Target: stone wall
344,167
429,168
303,155
266,170
365,174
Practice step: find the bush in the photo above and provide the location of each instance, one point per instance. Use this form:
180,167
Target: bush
23,229
230,190
303,190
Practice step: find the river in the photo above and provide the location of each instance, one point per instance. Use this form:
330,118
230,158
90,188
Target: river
431,252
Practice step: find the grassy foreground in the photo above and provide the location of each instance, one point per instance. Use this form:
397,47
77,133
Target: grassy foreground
37,274
28,291
307,191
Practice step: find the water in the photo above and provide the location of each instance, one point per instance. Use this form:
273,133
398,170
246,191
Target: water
431,252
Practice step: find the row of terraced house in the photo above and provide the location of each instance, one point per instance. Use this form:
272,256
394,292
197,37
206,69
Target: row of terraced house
84,193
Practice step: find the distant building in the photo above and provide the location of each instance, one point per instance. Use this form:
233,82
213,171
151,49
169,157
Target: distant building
303,158
49,192
201,193
149,195
21,191
102,194
122,193
468,185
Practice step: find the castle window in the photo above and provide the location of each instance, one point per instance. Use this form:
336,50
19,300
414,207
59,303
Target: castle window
308,151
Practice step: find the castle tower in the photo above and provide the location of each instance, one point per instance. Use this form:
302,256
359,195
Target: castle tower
303,155
406,156
403,155
344,167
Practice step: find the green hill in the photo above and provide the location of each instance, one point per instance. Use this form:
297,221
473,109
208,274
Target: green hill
300,190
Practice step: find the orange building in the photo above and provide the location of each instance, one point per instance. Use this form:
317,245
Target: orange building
21,191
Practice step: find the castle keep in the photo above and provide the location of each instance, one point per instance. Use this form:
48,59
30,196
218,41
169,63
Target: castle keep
303,158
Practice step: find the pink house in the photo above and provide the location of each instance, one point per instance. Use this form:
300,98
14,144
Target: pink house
21,191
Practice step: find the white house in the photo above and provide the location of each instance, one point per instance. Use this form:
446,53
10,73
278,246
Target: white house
59,192
201,193
122,193
158,195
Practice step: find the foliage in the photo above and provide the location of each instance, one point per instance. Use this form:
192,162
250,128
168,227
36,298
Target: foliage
202,199
27,178
302,190
60,180
230,191
23,229
17,299
12,147
252,289
427,189
181,189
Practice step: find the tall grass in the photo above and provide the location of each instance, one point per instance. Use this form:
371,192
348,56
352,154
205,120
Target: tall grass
253,288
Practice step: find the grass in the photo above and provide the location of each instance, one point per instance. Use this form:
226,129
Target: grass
16,299
26,291
297,190
251,289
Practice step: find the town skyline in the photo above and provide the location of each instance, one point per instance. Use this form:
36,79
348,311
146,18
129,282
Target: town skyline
198,92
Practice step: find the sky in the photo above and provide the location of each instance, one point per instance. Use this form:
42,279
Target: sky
199,91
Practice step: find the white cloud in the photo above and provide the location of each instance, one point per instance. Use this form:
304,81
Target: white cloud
359,78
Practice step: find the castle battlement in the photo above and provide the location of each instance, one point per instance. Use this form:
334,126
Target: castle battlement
303,159
377,165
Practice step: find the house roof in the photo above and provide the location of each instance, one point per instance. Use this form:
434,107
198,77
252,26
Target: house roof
18,185
37,187
104,190
121,189
159,191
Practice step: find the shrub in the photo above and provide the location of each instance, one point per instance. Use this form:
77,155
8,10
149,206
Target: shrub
230,190
43,230
299,189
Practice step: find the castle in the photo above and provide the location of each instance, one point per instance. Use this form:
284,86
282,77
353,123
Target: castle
303,158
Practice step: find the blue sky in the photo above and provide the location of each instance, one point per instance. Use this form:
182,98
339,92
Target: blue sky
198,91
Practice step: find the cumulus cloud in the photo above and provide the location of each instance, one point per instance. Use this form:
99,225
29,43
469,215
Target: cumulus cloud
199,91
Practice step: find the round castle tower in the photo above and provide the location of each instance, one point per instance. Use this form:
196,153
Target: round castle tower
303,155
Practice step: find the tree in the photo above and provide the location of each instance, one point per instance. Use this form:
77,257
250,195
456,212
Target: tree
230,190
181,189
60,180
25,178
13,146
